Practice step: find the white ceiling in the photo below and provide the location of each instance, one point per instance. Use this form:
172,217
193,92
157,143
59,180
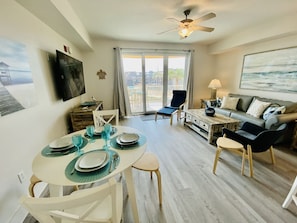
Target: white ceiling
142,20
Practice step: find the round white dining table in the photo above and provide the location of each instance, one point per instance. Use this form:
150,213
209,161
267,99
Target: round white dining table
52,169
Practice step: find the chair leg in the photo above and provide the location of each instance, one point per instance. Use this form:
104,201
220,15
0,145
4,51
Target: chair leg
159,186
171,117
250,159
218,152
290,195
272,154
156,114
178,115
33,181
243,161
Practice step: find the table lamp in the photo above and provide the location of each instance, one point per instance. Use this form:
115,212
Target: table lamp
214,85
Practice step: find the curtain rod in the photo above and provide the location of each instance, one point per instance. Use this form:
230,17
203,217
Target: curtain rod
147,49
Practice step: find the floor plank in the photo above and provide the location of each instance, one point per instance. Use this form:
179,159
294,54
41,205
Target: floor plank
192,193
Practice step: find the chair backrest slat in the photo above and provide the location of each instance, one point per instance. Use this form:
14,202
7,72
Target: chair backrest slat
101,117
87,201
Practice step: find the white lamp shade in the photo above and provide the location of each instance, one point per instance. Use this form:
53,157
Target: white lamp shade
215,84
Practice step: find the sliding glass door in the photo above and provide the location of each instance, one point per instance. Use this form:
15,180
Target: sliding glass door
150,79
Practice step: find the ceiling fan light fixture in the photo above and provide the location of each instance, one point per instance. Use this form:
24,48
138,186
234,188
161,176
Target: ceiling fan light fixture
185,32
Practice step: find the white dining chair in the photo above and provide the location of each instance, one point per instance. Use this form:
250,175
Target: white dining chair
103,203
292,195
101,117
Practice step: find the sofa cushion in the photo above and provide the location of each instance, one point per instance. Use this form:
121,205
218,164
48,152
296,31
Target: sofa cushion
229,103
243,117
290,106
244,101
257,108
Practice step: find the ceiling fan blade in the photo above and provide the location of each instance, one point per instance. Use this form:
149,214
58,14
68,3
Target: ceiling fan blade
170,30
202,28
173,20
205,17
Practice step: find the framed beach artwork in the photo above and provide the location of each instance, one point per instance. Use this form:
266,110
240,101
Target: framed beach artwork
271,71
17,91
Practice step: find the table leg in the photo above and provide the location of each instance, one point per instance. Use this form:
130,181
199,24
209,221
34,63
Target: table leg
131,192
210,134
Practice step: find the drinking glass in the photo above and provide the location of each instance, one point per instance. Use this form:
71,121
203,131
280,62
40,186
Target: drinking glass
77,141
107,130
90,132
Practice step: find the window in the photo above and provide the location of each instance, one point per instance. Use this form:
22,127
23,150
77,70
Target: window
151,77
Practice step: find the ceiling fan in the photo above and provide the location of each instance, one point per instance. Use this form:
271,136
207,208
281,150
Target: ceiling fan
187,26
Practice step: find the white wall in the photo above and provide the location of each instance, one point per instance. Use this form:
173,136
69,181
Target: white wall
228,67
103,58
25,133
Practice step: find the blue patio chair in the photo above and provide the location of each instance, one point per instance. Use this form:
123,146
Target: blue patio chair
176,105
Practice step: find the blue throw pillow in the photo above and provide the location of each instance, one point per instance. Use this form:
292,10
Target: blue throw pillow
273,110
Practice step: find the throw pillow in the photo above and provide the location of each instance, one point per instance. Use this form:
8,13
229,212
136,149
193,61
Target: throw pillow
257,108
229,102
273,110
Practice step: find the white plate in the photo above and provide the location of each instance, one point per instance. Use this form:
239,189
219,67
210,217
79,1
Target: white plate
92,160
124,143
129,137
61,149
61,143
91,169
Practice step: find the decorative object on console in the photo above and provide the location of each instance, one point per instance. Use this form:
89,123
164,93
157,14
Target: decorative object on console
263,71
214,85
101,74
209,111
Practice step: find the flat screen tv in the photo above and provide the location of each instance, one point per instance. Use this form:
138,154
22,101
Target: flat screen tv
70,76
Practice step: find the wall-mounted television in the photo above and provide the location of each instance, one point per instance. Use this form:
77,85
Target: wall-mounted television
70,76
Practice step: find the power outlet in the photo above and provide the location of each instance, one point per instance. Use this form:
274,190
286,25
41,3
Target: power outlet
21,176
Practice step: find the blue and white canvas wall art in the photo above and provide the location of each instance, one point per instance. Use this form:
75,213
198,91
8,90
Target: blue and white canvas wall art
17,91
272,71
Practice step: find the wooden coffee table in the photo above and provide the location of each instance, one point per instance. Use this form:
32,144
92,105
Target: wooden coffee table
207,126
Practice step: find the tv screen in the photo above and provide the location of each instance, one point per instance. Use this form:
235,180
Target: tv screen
70,76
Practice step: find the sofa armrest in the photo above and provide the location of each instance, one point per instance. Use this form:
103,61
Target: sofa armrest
276,120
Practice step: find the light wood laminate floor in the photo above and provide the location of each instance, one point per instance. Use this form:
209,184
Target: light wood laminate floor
192,193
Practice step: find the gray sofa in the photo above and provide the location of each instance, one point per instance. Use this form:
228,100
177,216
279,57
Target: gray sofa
271,122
